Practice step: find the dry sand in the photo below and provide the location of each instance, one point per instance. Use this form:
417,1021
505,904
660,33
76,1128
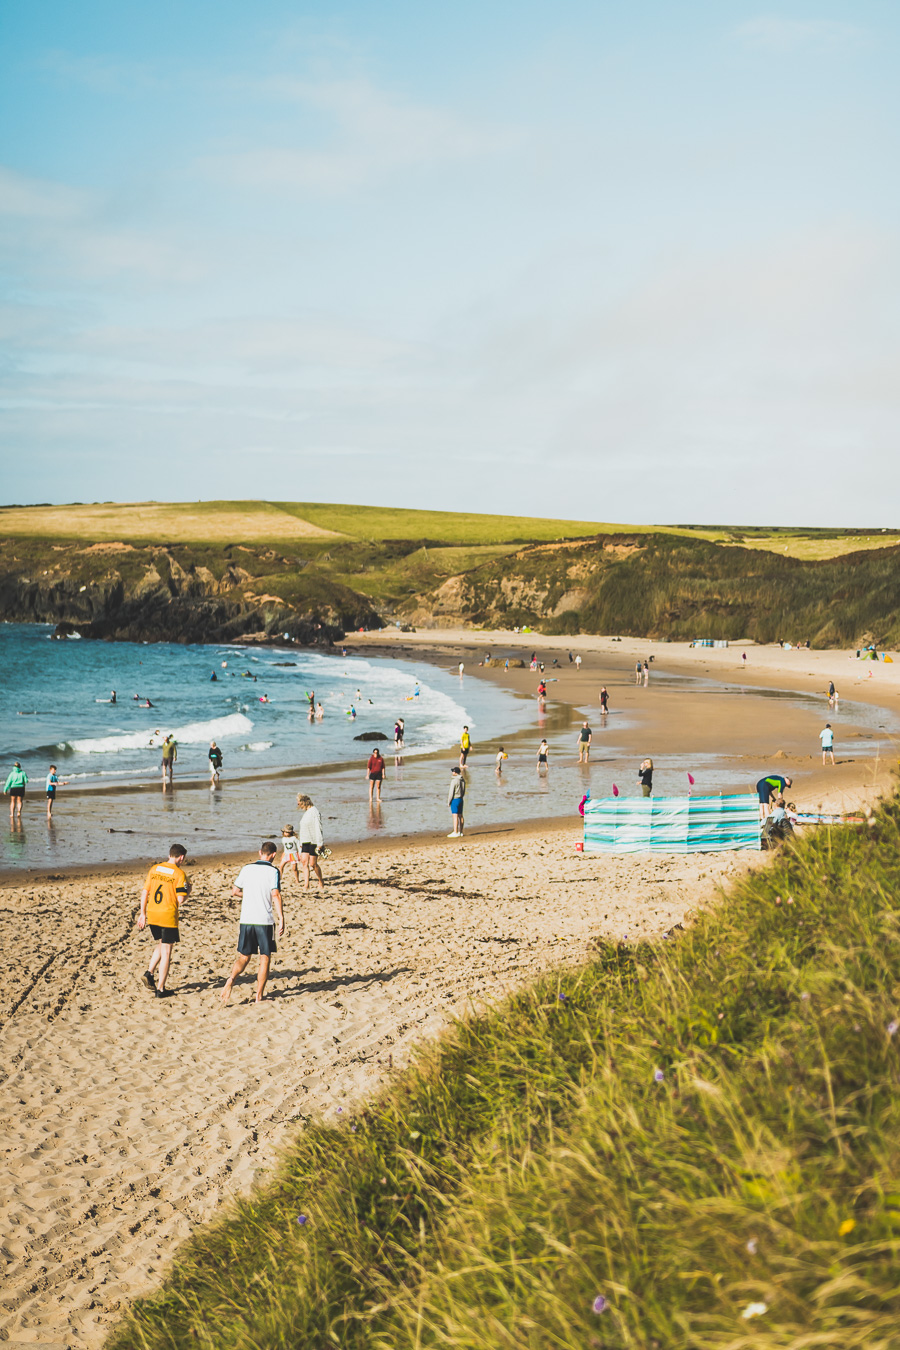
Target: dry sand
128,1119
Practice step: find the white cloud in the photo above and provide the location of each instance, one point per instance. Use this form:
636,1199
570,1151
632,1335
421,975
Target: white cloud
101,74
36,199
371,134
772,33
49,231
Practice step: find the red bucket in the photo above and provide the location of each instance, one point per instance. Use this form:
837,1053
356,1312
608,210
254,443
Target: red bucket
579,847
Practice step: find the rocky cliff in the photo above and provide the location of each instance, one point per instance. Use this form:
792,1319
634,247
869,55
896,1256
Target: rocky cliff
177,594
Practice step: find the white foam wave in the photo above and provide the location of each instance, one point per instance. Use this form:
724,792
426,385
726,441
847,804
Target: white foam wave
257,745
193,733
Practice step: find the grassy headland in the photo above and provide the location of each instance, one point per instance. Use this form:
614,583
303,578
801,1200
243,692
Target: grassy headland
695,1143
237,569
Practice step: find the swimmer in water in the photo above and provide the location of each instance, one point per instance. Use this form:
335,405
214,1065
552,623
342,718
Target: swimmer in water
147,704
320,712
112,697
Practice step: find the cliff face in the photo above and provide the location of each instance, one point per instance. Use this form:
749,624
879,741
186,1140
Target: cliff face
178,594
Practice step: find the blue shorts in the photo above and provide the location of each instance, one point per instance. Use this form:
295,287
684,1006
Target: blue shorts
256,937
456,806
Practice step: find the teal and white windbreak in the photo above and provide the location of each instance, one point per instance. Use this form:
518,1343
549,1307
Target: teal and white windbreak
671,824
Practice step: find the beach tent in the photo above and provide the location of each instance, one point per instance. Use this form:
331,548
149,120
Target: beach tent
671,824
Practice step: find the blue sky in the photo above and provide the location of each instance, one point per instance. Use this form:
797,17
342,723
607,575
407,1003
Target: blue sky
625,261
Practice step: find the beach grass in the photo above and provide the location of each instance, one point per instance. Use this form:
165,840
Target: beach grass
694,1143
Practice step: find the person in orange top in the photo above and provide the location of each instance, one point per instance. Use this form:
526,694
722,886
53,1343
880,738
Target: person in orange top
166,886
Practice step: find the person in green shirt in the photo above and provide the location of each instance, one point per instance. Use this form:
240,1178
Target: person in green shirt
15,787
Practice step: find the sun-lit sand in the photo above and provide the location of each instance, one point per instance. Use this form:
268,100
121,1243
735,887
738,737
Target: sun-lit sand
128,1120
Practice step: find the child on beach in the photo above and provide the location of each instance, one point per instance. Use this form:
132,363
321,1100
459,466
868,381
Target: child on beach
52,784
290,857
501,756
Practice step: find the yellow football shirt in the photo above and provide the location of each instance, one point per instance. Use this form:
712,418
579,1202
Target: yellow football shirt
166,883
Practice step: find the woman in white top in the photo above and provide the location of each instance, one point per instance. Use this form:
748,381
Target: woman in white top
311,840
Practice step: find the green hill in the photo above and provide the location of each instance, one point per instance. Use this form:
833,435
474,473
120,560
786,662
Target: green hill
216,571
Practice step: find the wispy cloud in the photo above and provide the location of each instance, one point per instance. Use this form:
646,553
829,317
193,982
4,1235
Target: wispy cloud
370,135
50,231
772,33
102,74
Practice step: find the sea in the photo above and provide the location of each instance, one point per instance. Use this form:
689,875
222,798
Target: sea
115,807
55,705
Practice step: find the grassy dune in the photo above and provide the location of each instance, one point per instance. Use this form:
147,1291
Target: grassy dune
222,522
276,522
695,1144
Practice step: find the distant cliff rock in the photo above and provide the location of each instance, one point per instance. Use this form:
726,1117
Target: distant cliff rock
177,594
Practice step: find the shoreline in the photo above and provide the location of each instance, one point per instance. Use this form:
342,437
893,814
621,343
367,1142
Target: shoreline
735,729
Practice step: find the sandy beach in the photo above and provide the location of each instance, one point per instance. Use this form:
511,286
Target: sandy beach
128,1121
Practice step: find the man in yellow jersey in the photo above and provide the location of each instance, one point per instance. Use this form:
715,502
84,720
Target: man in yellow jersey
166,886
465,745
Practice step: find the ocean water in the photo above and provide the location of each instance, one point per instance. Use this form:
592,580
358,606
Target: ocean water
55,708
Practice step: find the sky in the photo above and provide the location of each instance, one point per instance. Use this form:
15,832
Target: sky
633,261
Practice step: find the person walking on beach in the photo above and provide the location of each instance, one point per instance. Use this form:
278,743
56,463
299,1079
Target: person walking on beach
645,777
646,673
169,756
290,853
501,756
604,701
638,672
52,784
577,663
543,757
827,738
375,773
15,788
455,799
215,763
259,887
312,840
831,693
165,888
465,745
398,735
584,743
768,789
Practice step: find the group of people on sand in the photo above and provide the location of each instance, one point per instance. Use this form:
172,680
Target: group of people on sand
258,886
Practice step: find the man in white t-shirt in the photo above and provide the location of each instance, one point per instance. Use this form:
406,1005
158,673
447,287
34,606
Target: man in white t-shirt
259,887
827,739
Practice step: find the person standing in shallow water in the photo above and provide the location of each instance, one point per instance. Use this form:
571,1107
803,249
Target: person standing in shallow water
375,774
15,786
455,799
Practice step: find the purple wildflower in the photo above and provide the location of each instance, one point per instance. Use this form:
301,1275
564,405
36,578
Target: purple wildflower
301,1218
805,997
600,1304
658,1075
892,1028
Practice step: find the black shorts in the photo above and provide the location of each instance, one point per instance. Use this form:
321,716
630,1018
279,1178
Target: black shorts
164,934
312,849
376,777
256,937
464,755
51,793
17,792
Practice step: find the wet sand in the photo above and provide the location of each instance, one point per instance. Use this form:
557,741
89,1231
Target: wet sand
129,1120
